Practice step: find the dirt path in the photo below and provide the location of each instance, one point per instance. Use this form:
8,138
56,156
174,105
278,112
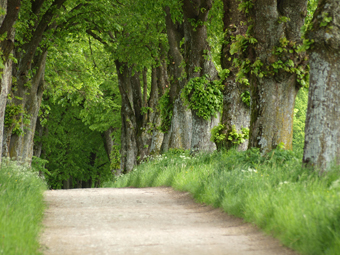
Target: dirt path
145,221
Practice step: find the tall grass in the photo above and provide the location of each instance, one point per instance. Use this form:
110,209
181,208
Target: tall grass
275,192
21,209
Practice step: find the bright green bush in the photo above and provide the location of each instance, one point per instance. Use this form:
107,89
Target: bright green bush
274,191
21,209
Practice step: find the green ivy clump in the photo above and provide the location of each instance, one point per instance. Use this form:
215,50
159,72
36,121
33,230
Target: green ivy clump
203,96
238,138
245,6
166,108
11,118
245,97
115,158
217,135
145,110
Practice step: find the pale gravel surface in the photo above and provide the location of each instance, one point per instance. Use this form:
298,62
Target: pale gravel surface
145,221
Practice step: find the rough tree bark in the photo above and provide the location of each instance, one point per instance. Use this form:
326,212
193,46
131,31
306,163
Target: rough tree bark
26,56
131,116
38,146
235,111
21,146
108,141
160,82
180,132
273,96
322,132
6,47
193,61
140,136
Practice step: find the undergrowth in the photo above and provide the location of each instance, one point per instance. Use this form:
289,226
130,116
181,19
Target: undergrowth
275,192
21,209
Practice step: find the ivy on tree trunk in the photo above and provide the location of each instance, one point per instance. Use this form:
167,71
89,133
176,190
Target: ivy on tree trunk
236,112
7,32
273,63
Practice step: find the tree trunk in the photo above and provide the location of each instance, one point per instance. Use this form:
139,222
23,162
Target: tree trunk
6,26
191,56
236,113
273,94
322,138
37,149
140,136
108,141
181,124
198,64
160,82
129,148
21,146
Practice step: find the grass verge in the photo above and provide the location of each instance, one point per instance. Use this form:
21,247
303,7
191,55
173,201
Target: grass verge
275,192
21,209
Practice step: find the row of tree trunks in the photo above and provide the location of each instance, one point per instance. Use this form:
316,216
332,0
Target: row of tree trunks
28,90
273,96
235,111
322,132
20,147
7,22
160,83
140,136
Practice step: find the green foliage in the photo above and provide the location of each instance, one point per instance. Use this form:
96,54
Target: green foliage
21,209
274,192
216,134
220,134
166,108
311,7
283,19
115,158
245,6
71,148
14,116
39,164
145,110
177,151
245,97
215,32
325,19
239,45
238,138
203,96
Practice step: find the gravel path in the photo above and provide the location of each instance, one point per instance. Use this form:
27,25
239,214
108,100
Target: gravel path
145,221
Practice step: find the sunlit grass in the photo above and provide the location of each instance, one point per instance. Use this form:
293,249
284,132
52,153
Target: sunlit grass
275,192
21,209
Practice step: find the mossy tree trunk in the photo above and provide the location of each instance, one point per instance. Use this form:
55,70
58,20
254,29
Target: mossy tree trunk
160,83
199,64
140,136
181,124
19,147
190,54
277,25
30,97
235,111
7,22
322,132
